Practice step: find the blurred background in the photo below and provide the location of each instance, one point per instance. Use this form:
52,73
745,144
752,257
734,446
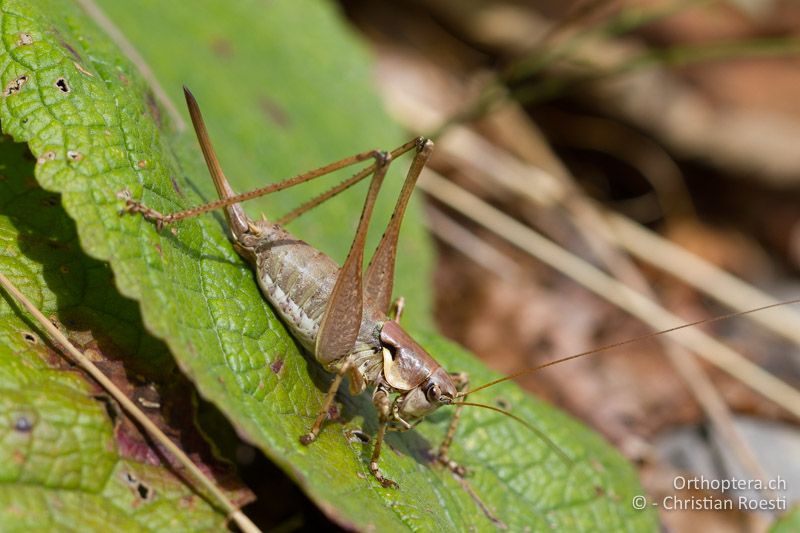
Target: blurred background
657,145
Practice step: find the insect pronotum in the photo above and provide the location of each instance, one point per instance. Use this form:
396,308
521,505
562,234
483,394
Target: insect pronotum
344,317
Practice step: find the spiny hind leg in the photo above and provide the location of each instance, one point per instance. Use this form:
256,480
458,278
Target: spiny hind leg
313,433
383,405
442,454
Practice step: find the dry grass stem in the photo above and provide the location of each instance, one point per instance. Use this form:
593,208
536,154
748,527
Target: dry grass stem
81,360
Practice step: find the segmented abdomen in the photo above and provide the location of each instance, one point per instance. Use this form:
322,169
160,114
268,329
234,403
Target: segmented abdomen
297,279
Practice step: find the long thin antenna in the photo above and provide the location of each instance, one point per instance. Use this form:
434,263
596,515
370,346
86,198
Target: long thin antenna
539,433
623,343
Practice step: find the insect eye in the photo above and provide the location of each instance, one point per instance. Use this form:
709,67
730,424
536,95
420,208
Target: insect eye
433,393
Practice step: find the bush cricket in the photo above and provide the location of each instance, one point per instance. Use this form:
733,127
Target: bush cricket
344,317
341,316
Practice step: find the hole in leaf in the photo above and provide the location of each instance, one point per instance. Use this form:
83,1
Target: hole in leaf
25,39
15,85
74,155
30,337
143,490
62,85
502,403
23,424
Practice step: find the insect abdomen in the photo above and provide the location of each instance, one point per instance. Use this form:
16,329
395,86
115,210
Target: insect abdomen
297,280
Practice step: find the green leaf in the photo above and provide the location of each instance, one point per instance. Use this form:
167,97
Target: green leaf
64,464
787,523
284,88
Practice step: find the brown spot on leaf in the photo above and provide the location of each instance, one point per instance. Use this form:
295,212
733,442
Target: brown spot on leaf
24,38
15,85
596,465
69,48
47,156
18,457
333,412
276,365
176,186
222,48
142,163
132,444
273,111
152,107
74,155
188,502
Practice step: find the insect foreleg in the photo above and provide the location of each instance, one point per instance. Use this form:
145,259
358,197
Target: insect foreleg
311,436
442,454
382,404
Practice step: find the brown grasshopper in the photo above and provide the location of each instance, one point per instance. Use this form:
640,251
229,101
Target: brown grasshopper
341,316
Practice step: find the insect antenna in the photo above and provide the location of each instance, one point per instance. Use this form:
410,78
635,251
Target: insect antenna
538,432
623,343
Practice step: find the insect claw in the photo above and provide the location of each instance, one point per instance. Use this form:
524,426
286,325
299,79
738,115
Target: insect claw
384,481
133,206
389,484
